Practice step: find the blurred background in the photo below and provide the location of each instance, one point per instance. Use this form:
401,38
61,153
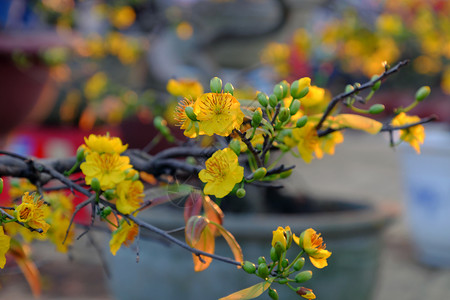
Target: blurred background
70,68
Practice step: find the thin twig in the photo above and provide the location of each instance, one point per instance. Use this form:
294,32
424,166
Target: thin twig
250,147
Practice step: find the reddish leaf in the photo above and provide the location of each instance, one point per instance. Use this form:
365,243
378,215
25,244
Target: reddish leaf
193,205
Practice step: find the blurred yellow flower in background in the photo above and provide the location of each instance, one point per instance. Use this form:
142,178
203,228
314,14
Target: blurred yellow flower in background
4,247
125,234
414,135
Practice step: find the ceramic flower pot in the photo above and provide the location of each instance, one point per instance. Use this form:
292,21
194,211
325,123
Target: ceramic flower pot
351,231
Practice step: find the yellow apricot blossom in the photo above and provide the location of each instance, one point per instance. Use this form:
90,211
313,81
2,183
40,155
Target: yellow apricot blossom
218,113
328,143
414,135
95,86
222,173
122,17
108,168
125,234
183,120
306,140
32,211
282,235
313,245
130,196
4,246
184,87
104,144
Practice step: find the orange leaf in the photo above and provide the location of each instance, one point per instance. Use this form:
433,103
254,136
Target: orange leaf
206,243
250,292
193,205
212,211
231,241
355,122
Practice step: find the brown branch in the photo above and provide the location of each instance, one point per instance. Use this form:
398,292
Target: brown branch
250,147
357,89
390,128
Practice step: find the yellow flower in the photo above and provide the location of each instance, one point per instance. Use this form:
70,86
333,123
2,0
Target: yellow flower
328,142
306,140
108,168
218,113
222,173
130,195
95,86
104,144
32,211
4,246
122,17
183,120
282,235
313,245
414,135
306,293
187,88
125,234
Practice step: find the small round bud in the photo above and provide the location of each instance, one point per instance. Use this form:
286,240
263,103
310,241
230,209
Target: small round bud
284,114
377,84
228,88
303,276
284,263
261,260
295,107
263,270
257,118
376,109
302,121
240,193
273,100
273,254
189,110
109,194
235,145
95,184
285,86
259,173
106,211
349,88
299,264
216,85
80,154
422,93
159,122
249,267
278,91
263,99
273,294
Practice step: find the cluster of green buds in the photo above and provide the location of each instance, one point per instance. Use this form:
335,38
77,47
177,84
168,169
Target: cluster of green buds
280,270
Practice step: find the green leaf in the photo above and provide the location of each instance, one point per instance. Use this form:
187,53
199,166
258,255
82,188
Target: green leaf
250,292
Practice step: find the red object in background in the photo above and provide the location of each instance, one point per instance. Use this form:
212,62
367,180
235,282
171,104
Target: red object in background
50,142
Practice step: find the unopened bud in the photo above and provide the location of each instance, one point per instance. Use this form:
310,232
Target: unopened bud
278,91
299,264
376,109
216,85
273,100
273,294
349,88
109,194
422,93
249,267
263,99
274,255
263,270
106,211
80,154
303,276
284,114
377,84
261,260
95,184
259,173
284,263
285,86
302,121
189,110
228,88
257,118
295,107
240,193
300,88
235,145
280,248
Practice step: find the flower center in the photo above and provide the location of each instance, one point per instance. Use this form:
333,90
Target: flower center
218,168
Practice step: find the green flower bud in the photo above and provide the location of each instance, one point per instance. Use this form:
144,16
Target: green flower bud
80,154
273,100
273,254
249,267
284,114
263,270
240,193
273,294
303,276
235,145
189,110
285,86
422,93
278,91
286,174
280,248
376,109
299,264
284,263
377,84
109,194
295,107
349,88
106,211
216,85
159,122
283,281
302,121
95,184
303,93
263,99
1,185
228,88
256,118
259,173
261,260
